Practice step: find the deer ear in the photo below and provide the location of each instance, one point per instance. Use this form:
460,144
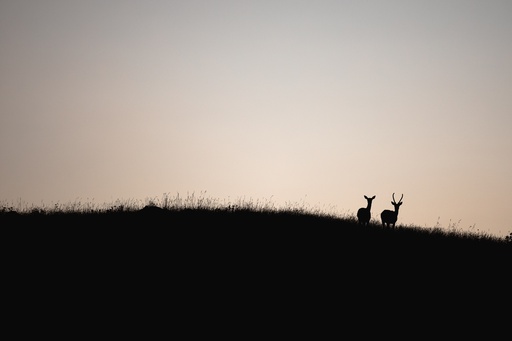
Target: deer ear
365,197
373,197
392,203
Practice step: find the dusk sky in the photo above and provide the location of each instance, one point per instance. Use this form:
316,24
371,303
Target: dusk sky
315,102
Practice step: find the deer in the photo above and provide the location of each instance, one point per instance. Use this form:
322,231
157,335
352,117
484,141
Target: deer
389,217
363,214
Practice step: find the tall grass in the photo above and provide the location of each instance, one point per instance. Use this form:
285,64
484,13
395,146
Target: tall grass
169,202
245,237
201,204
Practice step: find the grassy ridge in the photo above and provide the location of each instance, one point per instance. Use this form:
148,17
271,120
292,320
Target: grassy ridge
207,228
195,255
263,227
250,254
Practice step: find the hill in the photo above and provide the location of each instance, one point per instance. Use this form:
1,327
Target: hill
204,255
247,229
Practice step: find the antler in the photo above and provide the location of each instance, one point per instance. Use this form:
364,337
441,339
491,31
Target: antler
398,200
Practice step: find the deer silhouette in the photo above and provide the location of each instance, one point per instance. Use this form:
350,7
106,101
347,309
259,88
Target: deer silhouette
389,217
363,214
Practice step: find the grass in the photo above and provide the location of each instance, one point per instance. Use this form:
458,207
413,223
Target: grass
195,246
261,220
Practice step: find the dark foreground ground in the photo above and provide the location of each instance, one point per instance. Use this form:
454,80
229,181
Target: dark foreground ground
246,233
244,268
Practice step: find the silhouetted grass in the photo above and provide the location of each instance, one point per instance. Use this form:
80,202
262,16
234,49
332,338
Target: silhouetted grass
196,219
247,250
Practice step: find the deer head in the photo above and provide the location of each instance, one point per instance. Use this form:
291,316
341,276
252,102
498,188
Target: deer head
397,204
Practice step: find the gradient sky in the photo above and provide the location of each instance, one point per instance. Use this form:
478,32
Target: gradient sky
316,102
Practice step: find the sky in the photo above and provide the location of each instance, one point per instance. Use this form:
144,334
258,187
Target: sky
314,102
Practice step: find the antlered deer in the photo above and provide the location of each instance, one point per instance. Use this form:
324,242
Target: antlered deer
363,214
389,217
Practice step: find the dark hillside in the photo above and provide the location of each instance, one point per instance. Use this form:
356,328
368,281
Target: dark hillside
248,231
253,258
